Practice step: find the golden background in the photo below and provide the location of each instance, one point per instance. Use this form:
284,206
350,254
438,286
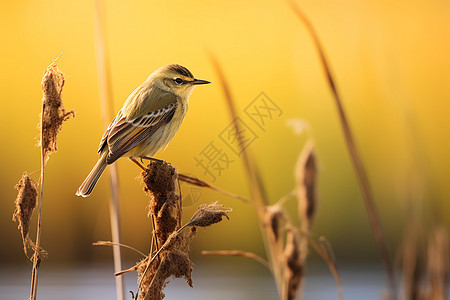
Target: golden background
390,60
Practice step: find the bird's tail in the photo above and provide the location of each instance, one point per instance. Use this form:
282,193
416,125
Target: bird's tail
88,184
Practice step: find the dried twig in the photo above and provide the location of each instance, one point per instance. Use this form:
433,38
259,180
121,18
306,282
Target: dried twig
239,253
108,243
201,183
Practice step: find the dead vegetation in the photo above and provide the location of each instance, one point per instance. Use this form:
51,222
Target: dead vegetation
169,254
52,116
25,205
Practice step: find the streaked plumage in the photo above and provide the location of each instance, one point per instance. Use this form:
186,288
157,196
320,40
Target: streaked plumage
147,122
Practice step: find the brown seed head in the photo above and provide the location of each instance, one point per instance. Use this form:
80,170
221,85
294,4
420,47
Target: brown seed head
208,214
293,264
53,113
25,204
273,218
306,177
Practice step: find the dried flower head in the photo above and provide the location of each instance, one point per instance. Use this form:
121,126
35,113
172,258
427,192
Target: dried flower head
53,112
208,214
306,175
273,217
25,204
160,179
293,264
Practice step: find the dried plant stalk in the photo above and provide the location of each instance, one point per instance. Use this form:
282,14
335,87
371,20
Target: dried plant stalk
354,155
326,252
107,110
201,183
410,262
239,253
438,264
52,116
25,205
256,186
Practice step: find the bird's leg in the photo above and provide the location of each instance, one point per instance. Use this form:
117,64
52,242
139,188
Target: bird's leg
152,159
138,163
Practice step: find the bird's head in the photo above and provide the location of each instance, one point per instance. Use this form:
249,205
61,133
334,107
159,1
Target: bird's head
176,79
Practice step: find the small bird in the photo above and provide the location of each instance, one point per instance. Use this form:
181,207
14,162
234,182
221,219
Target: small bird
147,122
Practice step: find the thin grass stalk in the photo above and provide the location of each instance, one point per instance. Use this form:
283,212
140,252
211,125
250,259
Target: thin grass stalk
354,155
254,179
36,256
106,103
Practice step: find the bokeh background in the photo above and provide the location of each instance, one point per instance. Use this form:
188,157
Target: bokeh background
390,61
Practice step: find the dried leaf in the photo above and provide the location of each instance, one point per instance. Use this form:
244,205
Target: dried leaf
25,205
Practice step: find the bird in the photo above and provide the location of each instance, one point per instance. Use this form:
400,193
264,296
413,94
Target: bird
147,121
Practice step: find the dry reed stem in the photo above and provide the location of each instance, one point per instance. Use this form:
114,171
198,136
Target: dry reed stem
256,186
52,116
25,205
438,264
109,243
410,262
239,253
323,248
107,109
201,183
354,155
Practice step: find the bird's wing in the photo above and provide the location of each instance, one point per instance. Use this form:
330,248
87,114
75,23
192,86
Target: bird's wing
124,134
106,134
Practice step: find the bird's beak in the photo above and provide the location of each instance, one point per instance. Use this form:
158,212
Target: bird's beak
199,81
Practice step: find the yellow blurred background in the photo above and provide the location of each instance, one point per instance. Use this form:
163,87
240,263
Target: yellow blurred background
390,60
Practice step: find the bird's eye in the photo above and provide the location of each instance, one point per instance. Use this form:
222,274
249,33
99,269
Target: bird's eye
178,81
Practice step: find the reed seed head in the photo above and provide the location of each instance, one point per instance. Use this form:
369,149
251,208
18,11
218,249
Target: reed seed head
293,264
273,218
208,214
25,205
306,177
53,112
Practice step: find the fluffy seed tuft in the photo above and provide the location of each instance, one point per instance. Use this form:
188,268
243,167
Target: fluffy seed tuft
25,205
